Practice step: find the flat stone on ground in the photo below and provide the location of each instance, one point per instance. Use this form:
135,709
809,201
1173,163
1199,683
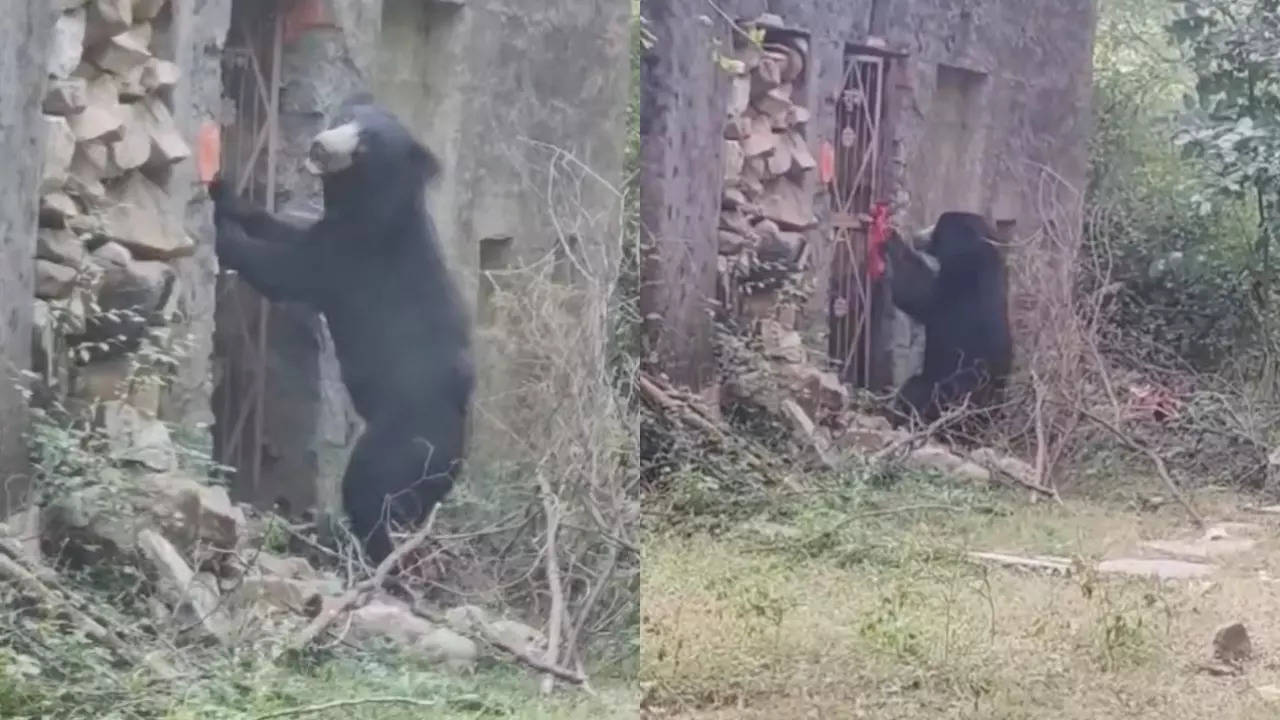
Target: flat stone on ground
1202,549
1163,569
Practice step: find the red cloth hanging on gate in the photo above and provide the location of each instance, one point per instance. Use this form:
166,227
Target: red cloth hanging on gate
876,237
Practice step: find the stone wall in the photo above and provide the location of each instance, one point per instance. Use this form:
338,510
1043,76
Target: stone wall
979,95
24,34
121,206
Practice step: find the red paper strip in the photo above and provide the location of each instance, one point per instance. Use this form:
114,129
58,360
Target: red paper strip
827,163
208,151
876,238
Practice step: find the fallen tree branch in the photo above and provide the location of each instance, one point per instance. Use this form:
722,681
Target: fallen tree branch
336,704
673,407
555,621
1052,564
663,399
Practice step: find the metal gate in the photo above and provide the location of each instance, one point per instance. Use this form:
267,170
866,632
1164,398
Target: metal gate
855,187
251,81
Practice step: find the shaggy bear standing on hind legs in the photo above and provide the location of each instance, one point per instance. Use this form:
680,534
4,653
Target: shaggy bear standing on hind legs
968,350
374,267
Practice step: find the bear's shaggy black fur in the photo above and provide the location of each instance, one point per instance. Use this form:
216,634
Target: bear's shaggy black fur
374,267
963,307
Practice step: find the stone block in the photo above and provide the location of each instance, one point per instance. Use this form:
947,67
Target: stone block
775,103
54,280
733,161
44,340
760,139
130,85
107,18
739,96
65,96
84,181
102,116
802,159
159,75
147,9
59,149
122,53
143,220
133,149
384,619
194,597
61,246
135,438
140,286
56,208
786,203
66,44
166,144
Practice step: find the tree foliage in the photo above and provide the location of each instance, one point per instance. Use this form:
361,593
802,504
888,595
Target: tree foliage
1178,248
1232,120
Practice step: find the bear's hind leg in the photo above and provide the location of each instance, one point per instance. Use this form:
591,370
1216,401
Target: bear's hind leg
392,476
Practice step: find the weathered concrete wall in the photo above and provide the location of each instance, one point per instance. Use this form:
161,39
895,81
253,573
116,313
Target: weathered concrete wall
681,119
991,94
1012,93
496,88
24,33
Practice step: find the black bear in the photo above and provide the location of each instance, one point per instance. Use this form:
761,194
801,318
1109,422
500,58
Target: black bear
374,267
963,306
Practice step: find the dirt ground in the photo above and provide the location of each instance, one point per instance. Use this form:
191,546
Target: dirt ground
862,603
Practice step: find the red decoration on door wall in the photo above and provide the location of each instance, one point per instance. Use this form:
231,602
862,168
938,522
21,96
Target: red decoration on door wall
827,163
208,151
876,238
304,16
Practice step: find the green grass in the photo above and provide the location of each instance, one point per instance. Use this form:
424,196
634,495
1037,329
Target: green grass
369,687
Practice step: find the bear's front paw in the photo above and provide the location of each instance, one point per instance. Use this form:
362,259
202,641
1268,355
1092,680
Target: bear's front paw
227,236
226,204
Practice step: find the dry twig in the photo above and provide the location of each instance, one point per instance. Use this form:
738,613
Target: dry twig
358,593
1161,468
339,704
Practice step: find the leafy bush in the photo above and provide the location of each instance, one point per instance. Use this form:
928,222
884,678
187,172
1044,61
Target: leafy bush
1178,251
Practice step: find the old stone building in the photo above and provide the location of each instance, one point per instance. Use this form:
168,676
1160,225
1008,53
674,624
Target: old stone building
918,106
131,89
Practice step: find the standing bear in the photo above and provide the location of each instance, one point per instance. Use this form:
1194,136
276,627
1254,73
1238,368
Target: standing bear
963,305
374,267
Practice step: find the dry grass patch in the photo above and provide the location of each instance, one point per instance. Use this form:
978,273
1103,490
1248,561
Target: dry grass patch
884,618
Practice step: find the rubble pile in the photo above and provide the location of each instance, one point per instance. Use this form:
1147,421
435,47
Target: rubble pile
108,227
217,572
766,215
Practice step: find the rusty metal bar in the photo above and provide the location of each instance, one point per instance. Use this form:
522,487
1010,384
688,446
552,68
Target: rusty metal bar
264,307
258,111
859,108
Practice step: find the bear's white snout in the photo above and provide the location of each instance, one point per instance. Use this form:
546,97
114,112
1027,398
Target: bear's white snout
333,150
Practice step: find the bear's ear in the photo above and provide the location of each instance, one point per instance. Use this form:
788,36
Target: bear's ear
425,162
